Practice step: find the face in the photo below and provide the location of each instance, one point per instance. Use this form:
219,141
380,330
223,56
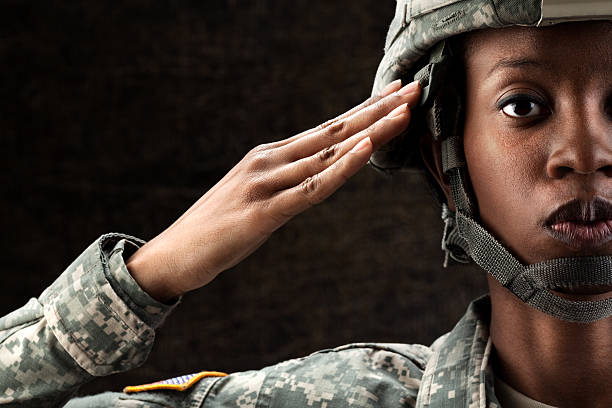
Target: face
538,137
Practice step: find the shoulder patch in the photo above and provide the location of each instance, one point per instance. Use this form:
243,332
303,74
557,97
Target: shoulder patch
178,383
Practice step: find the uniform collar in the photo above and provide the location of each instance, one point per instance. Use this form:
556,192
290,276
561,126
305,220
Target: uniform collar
458,374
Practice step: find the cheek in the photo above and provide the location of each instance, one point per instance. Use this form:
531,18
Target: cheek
504,176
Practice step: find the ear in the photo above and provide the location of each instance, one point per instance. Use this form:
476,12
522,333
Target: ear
431,153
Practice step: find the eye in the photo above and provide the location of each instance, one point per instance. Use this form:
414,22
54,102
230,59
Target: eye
522,106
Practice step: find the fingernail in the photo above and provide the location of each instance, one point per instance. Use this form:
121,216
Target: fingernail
391,87
398,111
408,89
361,145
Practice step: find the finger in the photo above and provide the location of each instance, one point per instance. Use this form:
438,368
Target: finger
281,179
388,90
379,133
318,187
392,125
343,129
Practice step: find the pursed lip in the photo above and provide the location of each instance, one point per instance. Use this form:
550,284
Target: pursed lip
582,224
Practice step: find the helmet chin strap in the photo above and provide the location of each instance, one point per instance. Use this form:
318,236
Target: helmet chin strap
533,284
465,238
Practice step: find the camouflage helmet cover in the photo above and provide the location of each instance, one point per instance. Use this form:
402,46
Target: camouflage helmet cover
420,29
419,25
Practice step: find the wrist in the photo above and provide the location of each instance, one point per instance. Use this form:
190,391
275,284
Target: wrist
150,272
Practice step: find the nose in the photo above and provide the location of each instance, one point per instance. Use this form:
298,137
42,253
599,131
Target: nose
582,145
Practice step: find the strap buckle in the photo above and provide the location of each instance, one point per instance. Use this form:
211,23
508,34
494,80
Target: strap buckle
431,76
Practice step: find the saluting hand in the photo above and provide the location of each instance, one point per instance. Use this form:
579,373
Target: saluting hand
273,183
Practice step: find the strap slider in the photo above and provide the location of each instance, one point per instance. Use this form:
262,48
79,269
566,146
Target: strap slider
522,287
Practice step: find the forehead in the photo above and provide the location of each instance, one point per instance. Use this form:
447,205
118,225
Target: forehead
585,44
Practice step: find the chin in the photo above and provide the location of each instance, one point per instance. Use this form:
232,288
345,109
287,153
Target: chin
549,245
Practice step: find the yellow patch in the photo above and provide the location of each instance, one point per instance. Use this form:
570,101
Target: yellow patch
178,383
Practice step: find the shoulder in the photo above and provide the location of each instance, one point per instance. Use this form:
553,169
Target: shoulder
359,375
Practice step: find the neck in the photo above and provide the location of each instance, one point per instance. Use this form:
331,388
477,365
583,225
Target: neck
556,362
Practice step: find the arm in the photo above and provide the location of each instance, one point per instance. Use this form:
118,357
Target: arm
357,375
92,321
95,320
270,185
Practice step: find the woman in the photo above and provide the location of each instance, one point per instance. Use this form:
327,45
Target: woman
514,126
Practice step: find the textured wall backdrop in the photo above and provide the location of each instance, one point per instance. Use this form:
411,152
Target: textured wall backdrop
117,116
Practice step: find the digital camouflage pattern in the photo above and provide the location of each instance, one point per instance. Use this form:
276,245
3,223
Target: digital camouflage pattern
419,24
94,320
417,27
420,28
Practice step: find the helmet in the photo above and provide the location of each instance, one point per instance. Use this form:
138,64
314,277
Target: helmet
418,47
420,25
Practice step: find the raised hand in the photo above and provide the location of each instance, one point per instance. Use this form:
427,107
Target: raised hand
271,184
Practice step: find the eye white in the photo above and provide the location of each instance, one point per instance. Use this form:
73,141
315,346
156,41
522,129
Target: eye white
522,109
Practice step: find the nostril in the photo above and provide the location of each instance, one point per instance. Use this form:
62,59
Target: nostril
558,172
607,170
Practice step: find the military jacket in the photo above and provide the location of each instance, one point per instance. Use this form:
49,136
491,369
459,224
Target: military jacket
94,320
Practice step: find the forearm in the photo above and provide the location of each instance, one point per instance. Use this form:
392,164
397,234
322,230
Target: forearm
92,321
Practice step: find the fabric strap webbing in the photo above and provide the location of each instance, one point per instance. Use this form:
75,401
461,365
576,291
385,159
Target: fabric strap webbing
530,283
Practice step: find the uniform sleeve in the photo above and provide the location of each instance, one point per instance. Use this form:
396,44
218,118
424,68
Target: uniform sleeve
94,320
357,375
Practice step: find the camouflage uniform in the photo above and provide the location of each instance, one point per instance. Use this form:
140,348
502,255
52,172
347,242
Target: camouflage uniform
94,320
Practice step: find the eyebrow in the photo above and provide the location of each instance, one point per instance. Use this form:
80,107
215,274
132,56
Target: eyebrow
510,62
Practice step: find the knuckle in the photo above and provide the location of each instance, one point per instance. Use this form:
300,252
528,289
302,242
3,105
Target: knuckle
256,189
310,189
336,128
371,101
386,104
259,158
327,153
258,149
333,127
266,146
326,124
369,131
333,132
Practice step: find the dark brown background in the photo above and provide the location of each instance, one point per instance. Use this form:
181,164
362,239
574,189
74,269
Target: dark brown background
118,116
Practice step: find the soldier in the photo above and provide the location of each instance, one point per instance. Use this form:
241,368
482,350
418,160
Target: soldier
513,122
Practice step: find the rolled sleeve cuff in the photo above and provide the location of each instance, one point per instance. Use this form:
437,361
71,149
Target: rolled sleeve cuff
99,314
151,311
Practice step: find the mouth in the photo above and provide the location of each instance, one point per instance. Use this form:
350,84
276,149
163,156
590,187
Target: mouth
582,224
